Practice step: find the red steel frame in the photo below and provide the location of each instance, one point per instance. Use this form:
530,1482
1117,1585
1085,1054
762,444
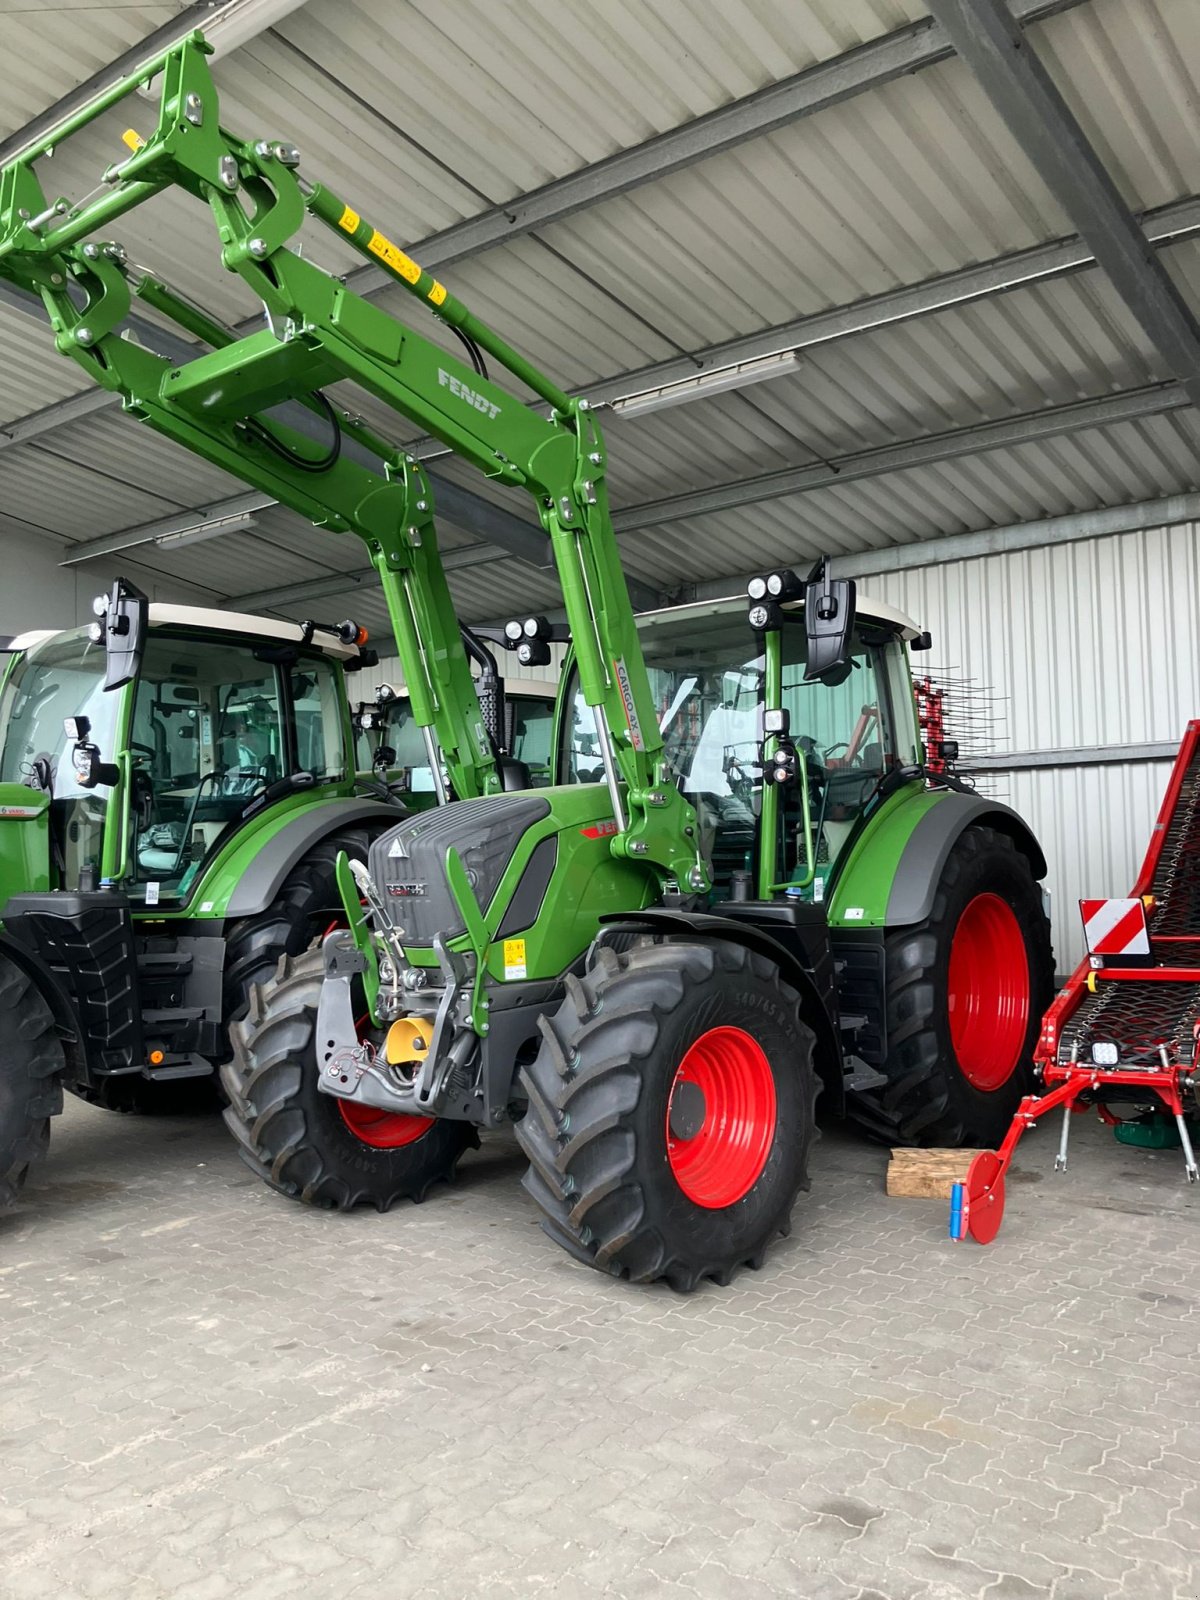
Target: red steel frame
977,1206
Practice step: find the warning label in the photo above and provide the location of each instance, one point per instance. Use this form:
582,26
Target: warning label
392,255
349,220
514,959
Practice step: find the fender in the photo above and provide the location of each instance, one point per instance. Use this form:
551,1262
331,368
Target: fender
704,925
55,997
919,869
261,881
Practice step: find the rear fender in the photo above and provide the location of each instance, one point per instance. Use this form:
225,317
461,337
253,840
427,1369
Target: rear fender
704,926
889,878
248,875
919,869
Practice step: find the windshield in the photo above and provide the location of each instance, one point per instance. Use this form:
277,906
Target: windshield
210,733
706,674
402,744
62,678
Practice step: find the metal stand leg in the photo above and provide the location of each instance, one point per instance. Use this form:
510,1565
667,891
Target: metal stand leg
1189,1155
1060,1160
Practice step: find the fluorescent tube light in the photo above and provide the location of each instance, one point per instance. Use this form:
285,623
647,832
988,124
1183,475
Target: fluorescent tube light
719,381
204,530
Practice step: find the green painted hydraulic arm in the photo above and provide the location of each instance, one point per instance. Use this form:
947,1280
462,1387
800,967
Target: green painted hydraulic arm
220,404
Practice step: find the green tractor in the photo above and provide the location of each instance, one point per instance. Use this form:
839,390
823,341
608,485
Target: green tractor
175,787
745,885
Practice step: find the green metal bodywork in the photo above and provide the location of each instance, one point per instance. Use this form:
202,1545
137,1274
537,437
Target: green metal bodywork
24,840
588,883
858,892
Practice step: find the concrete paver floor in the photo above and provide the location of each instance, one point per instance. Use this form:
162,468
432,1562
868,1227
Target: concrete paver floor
208,1391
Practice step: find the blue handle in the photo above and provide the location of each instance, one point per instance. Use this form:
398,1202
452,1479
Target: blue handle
957,1209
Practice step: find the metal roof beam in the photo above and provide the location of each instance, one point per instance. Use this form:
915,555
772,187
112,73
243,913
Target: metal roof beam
1026,428
956,442
992,43
903,51
1169,224
896,54
1100,523
1043,263
227,24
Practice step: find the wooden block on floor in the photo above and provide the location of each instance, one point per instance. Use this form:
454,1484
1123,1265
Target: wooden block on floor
927,1174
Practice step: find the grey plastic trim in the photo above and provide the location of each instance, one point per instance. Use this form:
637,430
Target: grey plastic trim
920,869
279,855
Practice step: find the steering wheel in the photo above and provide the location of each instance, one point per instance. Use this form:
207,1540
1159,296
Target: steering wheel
842,744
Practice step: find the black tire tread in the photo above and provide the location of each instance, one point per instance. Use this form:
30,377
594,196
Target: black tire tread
915,1106
31,1068
582,1088
276,1136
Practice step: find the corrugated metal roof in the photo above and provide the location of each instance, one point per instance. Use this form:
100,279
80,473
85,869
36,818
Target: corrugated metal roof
32,373
50,49
427,115
510,97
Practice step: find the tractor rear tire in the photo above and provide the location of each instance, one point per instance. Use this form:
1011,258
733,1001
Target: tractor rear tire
31,1065
297,1139
636,1174
966,993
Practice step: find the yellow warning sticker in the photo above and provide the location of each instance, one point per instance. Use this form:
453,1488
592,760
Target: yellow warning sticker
392,255
349,220
514,958
133,139
438,293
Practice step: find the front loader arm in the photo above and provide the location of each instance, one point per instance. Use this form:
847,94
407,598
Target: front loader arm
221,403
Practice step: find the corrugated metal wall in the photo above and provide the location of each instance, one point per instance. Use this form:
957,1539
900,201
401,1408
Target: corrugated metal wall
1086,645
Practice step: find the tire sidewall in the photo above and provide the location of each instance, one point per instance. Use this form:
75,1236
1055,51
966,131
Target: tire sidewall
1004,873
772,1018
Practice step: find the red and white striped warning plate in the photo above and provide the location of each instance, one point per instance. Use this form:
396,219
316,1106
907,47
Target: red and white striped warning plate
1115,927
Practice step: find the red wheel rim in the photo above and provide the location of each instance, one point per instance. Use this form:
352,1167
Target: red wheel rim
721,1117
383,1130
988,992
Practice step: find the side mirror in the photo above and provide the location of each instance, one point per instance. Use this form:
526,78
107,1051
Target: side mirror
121,619
829,622
90,770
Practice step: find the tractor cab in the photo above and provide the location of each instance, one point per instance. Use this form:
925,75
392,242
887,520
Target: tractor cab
141,783
850,729
390,742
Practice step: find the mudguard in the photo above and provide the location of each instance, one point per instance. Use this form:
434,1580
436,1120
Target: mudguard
264,875
919,869
890,875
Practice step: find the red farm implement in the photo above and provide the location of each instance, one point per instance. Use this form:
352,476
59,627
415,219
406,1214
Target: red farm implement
1123,1033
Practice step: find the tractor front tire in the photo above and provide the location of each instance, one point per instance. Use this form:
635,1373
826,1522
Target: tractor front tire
670,1113
31,1064
312,1146
966,993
